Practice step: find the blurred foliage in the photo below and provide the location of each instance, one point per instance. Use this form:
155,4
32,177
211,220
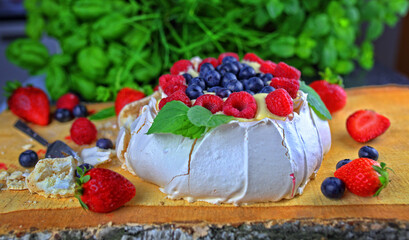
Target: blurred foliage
107,45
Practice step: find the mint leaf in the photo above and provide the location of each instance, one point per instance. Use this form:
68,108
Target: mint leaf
315,102
104,113
202,117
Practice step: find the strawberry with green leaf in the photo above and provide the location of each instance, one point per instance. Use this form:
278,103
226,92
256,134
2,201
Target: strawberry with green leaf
364,177
103,190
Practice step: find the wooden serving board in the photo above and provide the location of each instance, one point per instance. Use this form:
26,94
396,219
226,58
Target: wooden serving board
20,210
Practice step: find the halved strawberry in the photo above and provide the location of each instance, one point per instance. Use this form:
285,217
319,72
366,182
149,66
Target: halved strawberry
365,125
252,57
181,66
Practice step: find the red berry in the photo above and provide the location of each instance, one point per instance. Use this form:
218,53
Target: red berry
363,177
210,60
333,95
251,57
279,103
223,55
156,88
290,85
240,104
68,101
167,79
287,71
365,125
30,104
180,67
125,96
268,67
83,131
212,102
173,88
106,190
176,96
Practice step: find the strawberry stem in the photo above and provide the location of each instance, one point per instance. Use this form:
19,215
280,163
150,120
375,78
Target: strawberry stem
79,182
383,178
331,77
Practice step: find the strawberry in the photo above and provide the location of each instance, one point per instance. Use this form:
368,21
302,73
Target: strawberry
364,177
268,67
181,66
210,60
67,101
251,57
290,85
287,71
223,55
103,190
125,96
365,125
29,103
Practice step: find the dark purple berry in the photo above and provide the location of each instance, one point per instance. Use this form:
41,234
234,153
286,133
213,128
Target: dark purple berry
368,152
246,72
267,89
85,167
198,81
28,158
342,163
254,84
223,92
333,188
234,86
105,143
212,78
227,77
63,115
194,91
80,111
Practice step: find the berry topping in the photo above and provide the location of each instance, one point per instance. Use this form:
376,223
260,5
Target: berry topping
368,152
206,67
267,89
229,59
251,57
210,60
279,103
187,77
342,163
63,115
180,67
365,125
28,158
254,84
240,104
333,95
212,78
234,86
290,85
80,111
198,81
67,101
194,91
333,188
176,96
227,77
104,143
125,96
173,88
246,72
266,78
223,55
85,167
364,177
268,67
211,102
223,92
83,131
167,79
286,71
231,67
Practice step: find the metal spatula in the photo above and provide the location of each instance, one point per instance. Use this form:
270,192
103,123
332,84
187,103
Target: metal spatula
57,149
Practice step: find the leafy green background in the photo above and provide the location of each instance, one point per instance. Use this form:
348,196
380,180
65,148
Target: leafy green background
107,45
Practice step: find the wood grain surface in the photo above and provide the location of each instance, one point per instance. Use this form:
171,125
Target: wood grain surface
20,210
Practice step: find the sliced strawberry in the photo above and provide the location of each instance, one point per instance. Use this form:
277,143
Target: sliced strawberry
223,55
210,60
181,66
365,125
252,57
268,67
287,71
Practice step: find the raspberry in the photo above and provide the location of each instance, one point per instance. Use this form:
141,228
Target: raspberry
167,79
173,88
212,102
176,96
268,67
156,88
240,104
290,85
210,60
279,103
68,101
251,57
83,131
232,54
284,70
181,66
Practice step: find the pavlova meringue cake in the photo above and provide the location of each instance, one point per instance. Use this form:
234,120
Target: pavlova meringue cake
253,157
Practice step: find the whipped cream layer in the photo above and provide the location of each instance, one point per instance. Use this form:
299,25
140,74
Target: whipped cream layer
239,162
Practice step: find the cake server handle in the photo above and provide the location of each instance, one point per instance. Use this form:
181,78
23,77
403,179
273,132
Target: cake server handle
27,130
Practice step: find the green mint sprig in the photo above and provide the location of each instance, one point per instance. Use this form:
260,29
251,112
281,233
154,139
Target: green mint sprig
315,102
176,118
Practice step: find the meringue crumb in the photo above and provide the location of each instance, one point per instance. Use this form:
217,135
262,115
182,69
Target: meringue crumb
16,181
27,146
3,176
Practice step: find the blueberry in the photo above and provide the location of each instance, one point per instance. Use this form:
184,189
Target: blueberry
246,72
205,68
28,158
333,187
105,143
267,89
220,70
85,167
80,111
198,81
214,89
259,75
234,86
266,78
194,91
368,152
187,77
223,92
249,91
238,65
254,84
342,163
227,77
212,78
230,67
229,59
63,115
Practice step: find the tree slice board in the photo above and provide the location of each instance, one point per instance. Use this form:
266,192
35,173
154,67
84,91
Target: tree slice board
21,211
